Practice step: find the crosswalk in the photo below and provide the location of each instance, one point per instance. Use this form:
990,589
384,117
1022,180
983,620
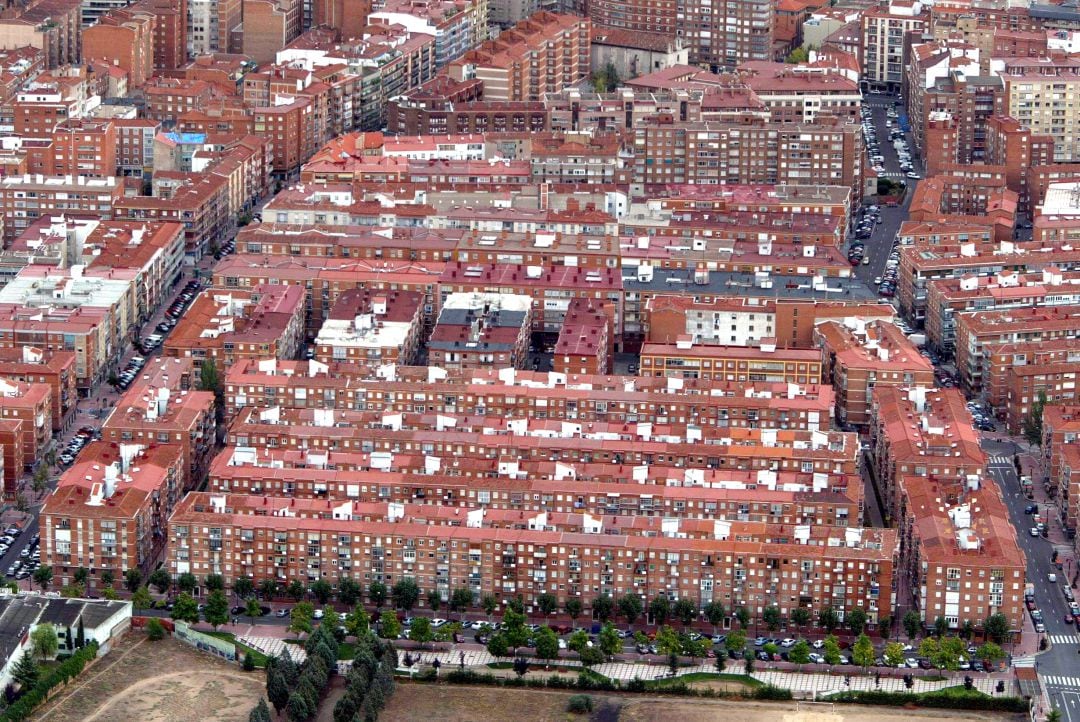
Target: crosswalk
1059,681
1001,460
892,174
1063,639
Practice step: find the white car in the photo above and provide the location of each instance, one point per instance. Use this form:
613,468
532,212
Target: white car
789,642
816,658
318,614
912,663
1051,577
437,622
818,643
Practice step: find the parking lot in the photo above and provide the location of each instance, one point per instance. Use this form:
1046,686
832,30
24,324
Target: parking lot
20,553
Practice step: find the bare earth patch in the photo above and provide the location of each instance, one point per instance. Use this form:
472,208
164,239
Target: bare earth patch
165,681
654,710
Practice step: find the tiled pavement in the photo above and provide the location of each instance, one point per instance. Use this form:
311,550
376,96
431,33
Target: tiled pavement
272,647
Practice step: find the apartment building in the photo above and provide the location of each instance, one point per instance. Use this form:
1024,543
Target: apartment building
886,39
228,534
223,326
372,328
110,510
1061,429
457,25
859,357
476,330
799,93
689,360
542,54
1035,92
30,403
24,199
445,105
123,38
586,342
56,369
920,432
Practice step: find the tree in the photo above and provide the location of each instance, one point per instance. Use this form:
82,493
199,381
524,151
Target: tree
243,587
950,650
997,628
603,607
831,650
40,481
771,649
856,621
159,579
800,617
1053,715
25,672
591,656
261,713
489,604
894,654
630,607
800,653
610,641
297,708
862,653
252,609
43,577
357,621
132,580
141,599
521,666
186,582
348,592
771,617
214,582
216,611
685,611
43,641
574,608
389,626
1032,427
208,377
405,594
295,590
736,641
461,599
110,594
249,662
497,645
967,629
828,619
796,56
547,603
714,611
514,629
748,661
660,610
885,625
434,600
547,643
912,623
321,590
300,617
82,576
377,594
743,615
277,686
941,626
155,630
268,589
667,642
421,631
606,80
107,577
578,641
990,653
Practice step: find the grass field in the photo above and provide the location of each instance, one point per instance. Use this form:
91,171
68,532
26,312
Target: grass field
164,681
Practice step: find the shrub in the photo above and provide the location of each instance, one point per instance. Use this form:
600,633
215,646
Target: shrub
771,691
580,704
155,630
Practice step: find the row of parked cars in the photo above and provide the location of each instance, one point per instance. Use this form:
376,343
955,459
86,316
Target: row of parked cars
81,438
983,420
29,558
130,372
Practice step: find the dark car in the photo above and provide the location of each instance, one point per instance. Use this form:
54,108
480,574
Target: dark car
925,664
763,655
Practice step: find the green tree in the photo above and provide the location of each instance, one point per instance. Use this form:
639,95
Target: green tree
862,653
389,626
405,594
186,582
107,577
185,609
547,603
141,599
630,607
43,577
667,642
856,621
348,591
132,579
252,609
261,713
990,653
243,587
298,708
461,599
268,589
216,611
828,619
603,607
660,610
82,576
997,628
771,617
214,583
967,629
894,654
772,649
941,626
714,611
912,623
25,672
321,590
685,611
420,631
155,630
1032,427
434,600
743,615
300,617
609,639
497,645
1053,715
736,641
514,629
800,617
110,594
574,608
358,621
40,481
547,643
748,661
295,590
950,650
159,579
885,625
277,685
578,641
800,653
591,656
377,594
831,650
43,641
796,56
489,603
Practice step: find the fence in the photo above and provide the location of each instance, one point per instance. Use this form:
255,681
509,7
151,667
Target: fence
204,642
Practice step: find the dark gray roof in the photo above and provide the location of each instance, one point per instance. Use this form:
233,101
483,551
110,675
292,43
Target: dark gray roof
723,283
62,612
494,319
19,613
95,612
1056,12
